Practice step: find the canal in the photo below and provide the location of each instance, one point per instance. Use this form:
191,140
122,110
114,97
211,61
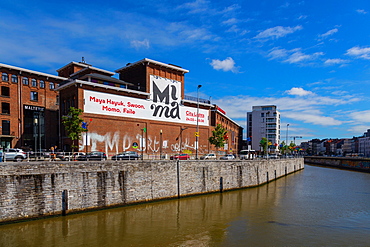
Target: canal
313,207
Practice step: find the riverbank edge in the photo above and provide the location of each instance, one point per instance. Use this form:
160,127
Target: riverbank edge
346,163
31,192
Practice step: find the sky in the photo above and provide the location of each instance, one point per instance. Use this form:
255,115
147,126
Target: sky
309,58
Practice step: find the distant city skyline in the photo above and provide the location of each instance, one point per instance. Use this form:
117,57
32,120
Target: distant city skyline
309,58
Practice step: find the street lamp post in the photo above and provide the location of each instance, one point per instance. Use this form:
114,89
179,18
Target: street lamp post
161,144
287,125
197,134
142,143
35,133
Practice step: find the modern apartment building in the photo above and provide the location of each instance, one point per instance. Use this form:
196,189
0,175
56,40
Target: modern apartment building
263,121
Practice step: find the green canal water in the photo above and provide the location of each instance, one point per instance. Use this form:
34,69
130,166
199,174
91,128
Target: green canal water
313,207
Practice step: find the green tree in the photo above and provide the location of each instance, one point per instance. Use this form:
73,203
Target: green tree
283,147
263,144
218,137
73,125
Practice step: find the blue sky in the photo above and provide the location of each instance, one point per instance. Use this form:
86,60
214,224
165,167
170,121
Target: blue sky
310,58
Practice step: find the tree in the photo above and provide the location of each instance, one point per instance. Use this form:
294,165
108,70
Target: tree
73,125
263,144
219,136
283,147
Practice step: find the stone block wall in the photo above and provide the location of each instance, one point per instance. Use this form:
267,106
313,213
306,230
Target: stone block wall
31,190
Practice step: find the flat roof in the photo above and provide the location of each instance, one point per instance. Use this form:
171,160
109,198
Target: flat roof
147,60
87,66
32,71
105,78
94,84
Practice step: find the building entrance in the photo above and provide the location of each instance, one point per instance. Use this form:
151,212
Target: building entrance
34,128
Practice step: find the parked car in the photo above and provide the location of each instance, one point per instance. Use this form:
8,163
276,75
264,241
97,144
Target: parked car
180,157
273,156
14,154
208,157
127,155
67,156
227,157
93,156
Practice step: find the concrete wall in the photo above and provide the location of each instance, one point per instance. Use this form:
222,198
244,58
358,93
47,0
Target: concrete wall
31,190
359,164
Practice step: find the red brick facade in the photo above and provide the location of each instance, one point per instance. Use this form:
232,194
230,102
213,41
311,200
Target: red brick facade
29,108
107,133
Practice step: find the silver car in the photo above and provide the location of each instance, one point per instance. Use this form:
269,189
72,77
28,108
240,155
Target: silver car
14,154
227,157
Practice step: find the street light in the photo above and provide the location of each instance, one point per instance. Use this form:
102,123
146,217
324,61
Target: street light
197,134
161,144
287,125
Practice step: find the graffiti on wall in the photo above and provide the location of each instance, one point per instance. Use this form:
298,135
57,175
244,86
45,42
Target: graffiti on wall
116,143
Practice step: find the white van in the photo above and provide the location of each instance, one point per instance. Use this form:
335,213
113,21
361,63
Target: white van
247,154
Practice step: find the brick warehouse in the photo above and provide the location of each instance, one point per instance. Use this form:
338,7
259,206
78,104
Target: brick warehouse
144,110
29,108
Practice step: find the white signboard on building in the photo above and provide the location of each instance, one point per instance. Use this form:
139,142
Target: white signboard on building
163,105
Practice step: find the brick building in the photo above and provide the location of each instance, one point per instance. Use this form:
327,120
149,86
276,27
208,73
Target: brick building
29,108
144,110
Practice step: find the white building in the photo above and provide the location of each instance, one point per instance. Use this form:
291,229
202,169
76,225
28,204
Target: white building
364,146
263,121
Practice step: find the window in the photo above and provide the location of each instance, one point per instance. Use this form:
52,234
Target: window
34,83
262,114
5,108
25,81
42,84
14,78
34,96
51,85
5,77
6,127
266,108
5,91
57,102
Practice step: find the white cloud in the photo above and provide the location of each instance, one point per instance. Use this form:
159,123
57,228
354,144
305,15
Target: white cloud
310,109
335,61
329,33
277,32
312,118
226,65
359,52
302,17
230,21
292,56
298,56
298,91
138,44
361,11
197,6
361,116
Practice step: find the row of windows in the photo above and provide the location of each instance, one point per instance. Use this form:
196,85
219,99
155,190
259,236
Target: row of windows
26,81
5,107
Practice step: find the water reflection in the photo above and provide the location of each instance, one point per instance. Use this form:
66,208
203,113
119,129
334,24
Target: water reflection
314,207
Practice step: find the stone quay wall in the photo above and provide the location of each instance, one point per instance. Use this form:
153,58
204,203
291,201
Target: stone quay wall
33,190
352,163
